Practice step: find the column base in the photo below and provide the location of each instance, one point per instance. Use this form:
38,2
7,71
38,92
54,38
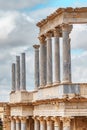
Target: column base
49,85
66,82
56,83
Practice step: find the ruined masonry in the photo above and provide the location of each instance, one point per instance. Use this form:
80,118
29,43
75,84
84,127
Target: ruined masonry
59,105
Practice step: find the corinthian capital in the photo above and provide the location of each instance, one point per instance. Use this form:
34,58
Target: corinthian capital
67,27
56,32
42,39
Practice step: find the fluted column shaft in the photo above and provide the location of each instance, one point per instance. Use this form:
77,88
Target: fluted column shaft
42,61
56,123
23,72
13,77
36,125
42,125
23,124
18,124
49,125
56,55
13,124
66,53
36,66
66,123
49,59
17,72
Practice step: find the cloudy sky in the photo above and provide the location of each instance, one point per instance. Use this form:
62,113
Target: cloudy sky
18,33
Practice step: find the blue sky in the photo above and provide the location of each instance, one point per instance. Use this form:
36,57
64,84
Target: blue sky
18,33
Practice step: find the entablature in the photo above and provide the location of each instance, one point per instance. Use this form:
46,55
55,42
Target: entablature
62,16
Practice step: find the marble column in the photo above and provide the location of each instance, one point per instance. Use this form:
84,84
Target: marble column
23,72
13,77
36,66
13,124
49,123
36,124
56,123
42,123
23,123
42,63
18,124
66,123
66,53
49,59
17,73
56,55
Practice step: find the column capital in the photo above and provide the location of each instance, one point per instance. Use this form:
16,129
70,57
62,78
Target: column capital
66,120
17,119
35,118
67,27
11,118
36,46
23,119
40,118
47,118
48,34
42,39
56,32
56,119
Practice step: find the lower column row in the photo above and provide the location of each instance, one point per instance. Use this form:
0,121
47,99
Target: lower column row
41,123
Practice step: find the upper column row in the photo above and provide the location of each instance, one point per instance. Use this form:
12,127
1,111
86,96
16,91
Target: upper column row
45,63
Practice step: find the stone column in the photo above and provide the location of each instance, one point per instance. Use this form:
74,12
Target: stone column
36,124
18,72
17,124
13,77
42,61
36,66
56,123
23,72
13,124
66,123
49,123
49,59
23,123
42,123
57,55
66,53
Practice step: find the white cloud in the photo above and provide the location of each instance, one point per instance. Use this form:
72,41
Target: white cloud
19,4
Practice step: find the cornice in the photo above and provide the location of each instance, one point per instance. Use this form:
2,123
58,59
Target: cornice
61,11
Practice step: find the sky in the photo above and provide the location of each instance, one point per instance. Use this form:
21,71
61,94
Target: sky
18,33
